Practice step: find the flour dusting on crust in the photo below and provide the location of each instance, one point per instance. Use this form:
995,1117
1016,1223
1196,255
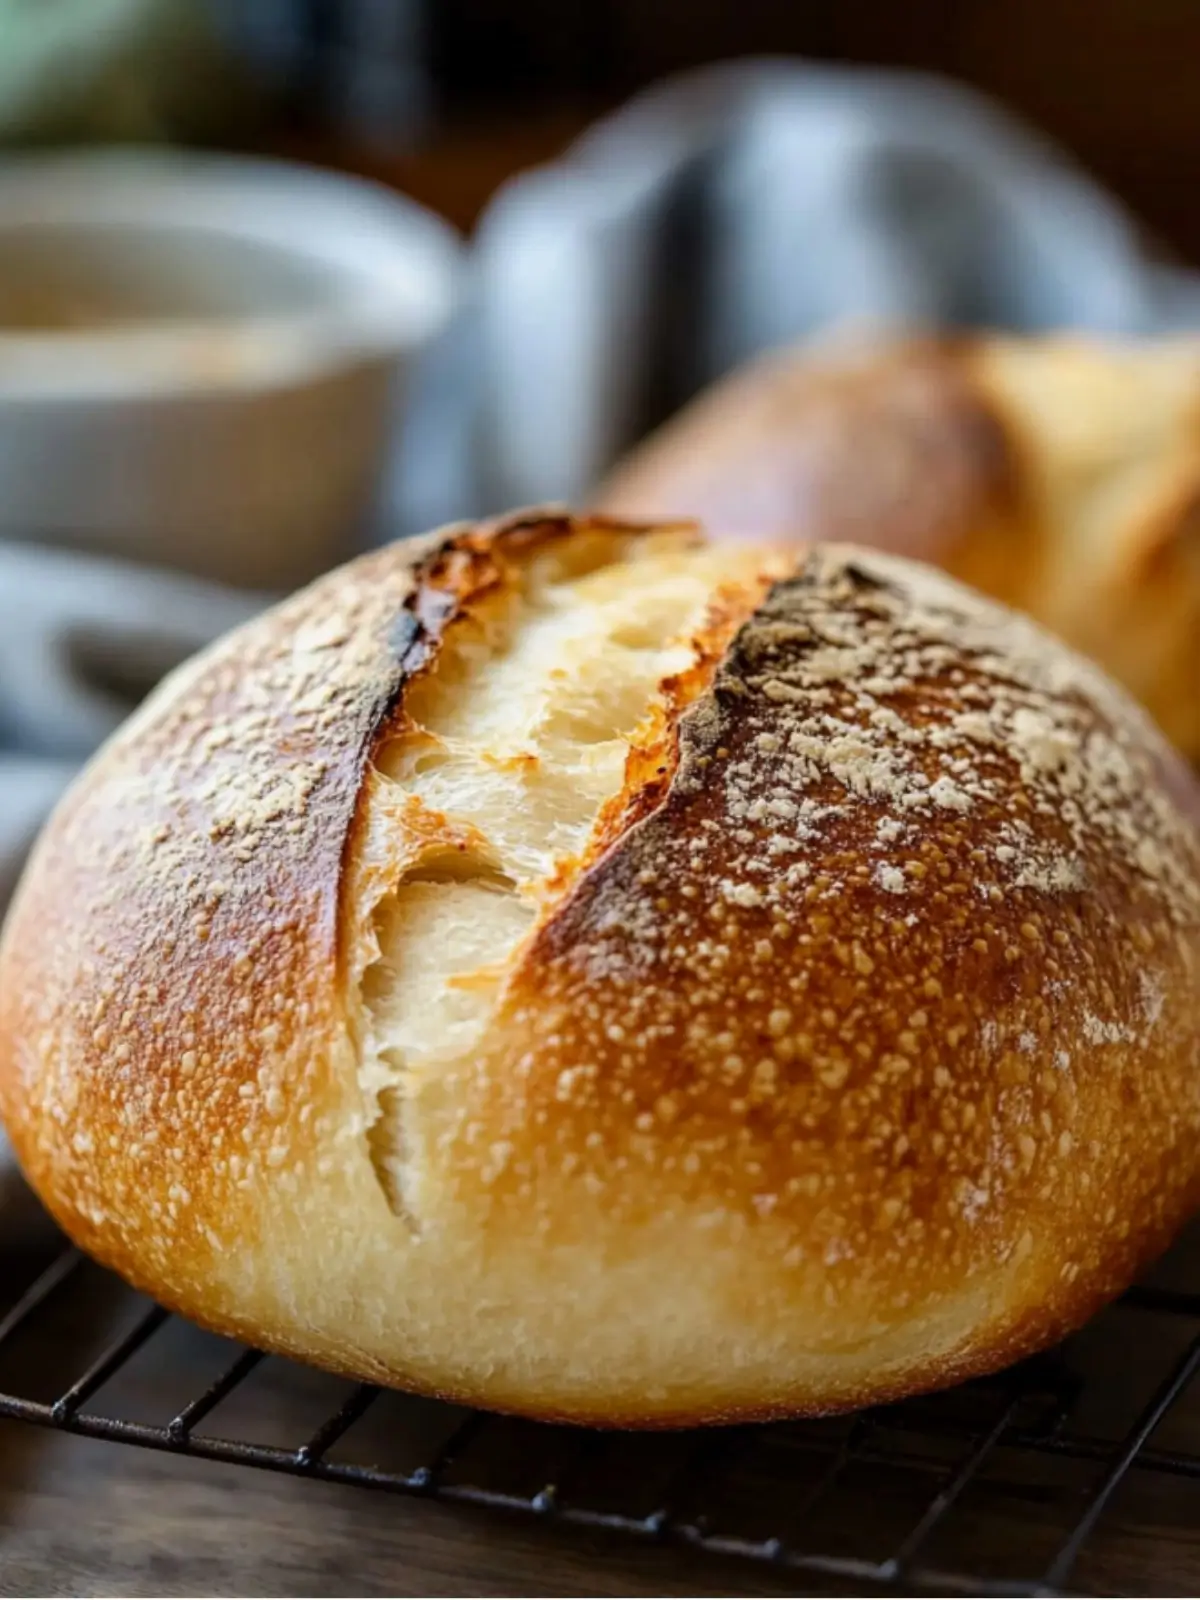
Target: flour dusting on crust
918,698
845,951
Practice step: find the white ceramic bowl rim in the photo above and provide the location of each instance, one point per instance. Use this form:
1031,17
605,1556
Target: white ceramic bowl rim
390,272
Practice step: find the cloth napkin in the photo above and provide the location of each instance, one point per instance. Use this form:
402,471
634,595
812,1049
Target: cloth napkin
723,213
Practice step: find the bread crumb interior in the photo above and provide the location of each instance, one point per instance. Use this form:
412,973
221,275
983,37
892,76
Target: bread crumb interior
515,738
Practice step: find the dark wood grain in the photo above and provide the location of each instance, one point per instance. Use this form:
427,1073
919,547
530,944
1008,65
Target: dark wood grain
81,1516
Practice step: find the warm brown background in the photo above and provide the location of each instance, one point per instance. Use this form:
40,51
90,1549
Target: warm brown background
1113,80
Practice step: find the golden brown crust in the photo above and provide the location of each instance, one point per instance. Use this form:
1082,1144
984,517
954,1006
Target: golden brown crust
859,1055
890,446
870,1034
193,897
1058,476
192,879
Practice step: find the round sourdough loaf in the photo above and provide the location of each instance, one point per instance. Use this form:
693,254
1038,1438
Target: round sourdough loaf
572,968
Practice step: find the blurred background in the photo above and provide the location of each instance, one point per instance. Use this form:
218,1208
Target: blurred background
280,279
445,101
446,98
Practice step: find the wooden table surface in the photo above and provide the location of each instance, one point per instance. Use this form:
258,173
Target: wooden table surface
82,1516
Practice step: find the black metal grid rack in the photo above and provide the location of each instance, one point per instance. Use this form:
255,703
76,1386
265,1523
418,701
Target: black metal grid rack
1010,1486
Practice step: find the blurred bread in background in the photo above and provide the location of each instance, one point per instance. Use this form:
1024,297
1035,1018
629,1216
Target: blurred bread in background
1060,475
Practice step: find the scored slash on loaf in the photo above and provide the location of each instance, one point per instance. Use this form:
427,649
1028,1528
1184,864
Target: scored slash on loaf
578,969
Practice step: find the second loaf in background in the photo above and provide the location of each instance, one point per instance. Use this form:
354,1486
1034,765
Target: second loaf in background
1061,476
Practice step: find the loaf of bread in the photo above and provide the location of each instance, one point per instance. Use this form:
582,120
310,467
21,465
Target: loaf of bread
1060,476
580,970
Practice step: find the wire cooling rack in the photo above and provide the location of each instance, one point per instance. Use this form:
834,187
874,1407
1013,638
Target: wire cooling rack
1019,1485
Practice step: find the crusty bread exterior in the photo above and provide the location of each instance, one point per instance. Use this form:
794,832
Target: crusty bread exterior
853,1051
1060,475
